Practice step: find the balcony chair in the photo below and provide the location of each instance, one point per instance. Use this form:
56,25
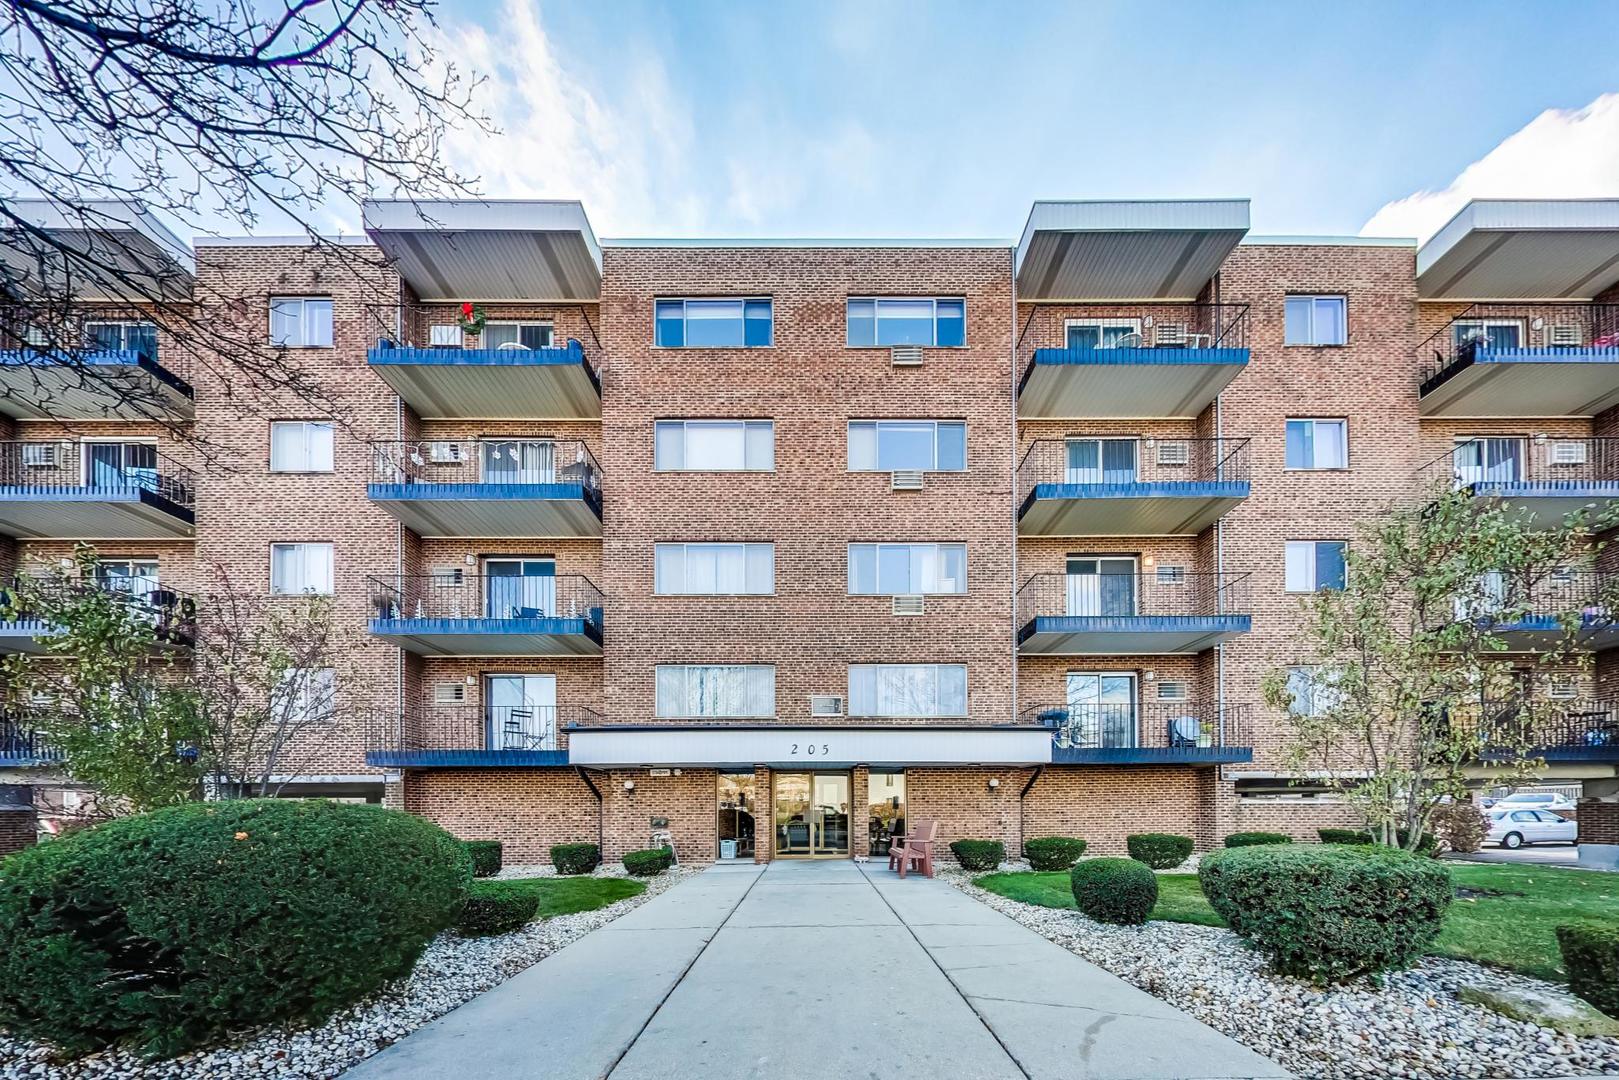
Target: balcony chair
1185,731
915,849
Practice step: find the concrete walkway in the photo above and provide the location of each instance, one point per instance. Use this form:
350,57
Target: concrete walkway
814,970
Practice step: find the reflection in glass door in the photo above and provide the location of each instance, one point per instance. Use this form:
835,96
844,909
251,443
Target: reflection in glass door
1101,709
521,711
812,814
736,820
1101,586
886,797
521,588
120,465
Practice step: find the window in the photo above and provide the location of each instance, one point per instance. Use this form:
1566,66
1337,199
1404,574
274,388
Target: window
1312,690
925,690
1102,333
301,446
1101,461
725,690
1473,334
131,577
1313,565
1316,320
882,321
301,323
300,568
515,335
714,445
1488,460
304,696
887,445
120,465
902,569
715,569
714,324
1317,444
137,337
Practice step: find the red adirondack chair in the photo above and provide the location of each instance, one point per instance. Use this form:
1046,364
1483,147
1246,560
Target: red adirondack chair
916,851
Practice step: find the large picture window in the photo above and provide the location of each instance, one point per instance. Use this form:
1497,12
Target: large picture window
908,690
714,446
716,690
715,324
887,445
907,569
715,569
882,321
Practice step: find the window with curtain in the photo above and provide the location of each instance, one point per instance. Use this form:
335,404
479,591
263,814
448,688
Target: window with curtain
716,690
908,690
131,577
1313,565
1316,320
301,322
887,445
528,335
1488,461
907,569
1102,333
1101,461
715,569
1312,691
300,446
120,336
306,695
1317,444
121,465
714,323
296,569
884,321
521,589
517,461
714,445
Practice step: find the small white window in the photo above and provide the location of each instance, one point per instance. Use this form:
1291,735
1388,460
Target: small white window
714,446
297,569
301,446
1317,444
301,322
305,696
1314,565
1316,320
715,569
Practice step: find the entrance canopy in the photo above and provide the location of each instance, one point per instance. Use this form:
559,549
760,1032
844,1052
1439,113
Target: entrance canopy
784,747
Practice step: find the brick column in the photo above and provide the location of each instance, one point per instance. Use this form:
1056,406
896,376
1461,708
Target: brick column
764,816
19,828
860,811
393,794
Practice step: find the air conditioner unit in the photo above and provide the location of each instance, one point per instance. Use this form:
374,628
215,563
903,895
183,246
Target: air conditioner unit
1563,335
1174,453
1171,691
444,453
826,704
906,480
906,355
449,693
447,577
445,336
909,604
1562,690
41,455
1171,575
1565,453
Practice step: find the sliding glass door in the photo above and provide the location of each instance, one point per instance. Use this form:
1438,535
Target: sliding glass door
1101,461
521,589
1101,709
521,711
1101,586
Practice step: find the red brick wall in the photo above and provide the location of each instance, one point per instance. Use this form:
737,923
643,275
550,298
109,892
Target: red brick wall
18,829
1599,821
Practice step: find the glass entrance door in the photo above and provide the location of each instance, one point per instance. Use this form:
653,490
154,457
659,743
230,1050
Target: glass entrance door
886,796
812,814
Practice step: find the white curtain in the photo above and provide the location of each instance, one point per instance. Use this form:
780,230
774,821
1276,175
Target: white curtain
909,690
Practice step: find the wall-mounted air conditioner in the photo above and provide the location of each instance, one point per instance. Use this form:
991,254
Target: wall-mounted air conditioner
445,453
908,605
906,480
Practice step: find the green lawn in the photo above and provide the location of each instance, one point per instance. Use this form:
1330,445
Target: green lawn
568,895
1510,926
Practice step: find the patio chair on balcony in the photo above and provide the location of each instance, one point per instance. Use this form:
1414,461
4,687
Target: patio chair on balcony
1185,731
518,732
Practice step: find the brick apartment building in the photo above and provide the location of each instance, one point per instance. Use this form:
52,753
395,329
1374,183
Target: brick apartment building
775,545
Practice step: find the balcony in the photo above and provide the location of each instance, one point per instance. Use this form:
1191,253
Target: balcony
1534,616
21,745
171,614
1134,362
1157,733
489,487
1557,731
1118,614
1548,477
456,615
1516,360
472,378
91,489
1108,486
471,736
115,376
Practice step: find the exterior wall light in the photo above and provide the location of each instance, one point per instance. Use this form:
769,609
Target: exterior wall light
994,782
629,786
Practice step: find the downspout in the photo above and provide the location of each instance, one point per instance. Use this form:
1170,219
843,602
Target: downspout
1022,822
1011,270
1219,568
601,809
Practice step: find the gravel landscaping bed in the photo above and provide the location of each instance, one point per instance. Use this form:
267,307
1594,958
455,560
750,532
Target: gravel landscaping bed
451,971
1414,1026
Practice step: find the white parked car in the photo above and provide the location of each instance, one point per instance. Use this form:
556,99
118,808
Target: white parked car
1513,828
1534,800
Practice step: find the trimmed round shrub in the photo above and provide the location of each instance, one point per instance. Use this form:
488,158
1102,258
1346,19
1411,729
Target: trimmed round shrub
1461,825
1344,836
1161,851
648,863
493,907
485,857
978,854
1591,958
575,858
1118,891
1328,913
168,930
1256,839
1053,852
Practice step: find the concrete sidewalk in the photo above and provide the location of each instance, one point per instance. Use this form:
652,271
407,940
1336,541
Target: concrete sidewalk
810,970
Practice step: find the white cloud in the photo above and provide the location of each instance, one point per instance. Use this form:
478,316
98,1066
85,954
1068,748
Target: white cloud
1560,154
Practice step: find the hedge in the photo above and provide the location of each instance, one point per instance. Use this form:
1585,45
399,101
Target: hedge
1053,852
1256,839
486,855
978,854
1328,913
650,862
575,858
1161,851
1118,891
169,930
1344,836
1591,958
494,909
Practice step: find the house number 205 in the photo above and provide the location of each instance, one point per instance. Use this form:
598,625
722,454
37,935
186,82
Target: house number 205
824,749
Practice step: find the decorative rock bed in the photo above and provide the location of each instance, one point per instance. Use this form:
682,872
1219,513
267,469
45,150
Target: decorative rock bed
451,971
1415,1026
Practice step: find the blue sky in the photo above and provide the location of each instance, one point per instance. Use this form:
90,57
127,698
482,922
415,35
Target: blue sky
897,119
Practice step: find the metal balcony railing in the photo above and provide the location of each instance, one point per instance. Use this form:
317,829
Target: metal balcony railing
439,326
1128,595
20,742
1545,723
469,596
1176,725
1507,598
1100,327
486,461
1541,459
171,613
70,466
476,727
1114,460
1516,327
